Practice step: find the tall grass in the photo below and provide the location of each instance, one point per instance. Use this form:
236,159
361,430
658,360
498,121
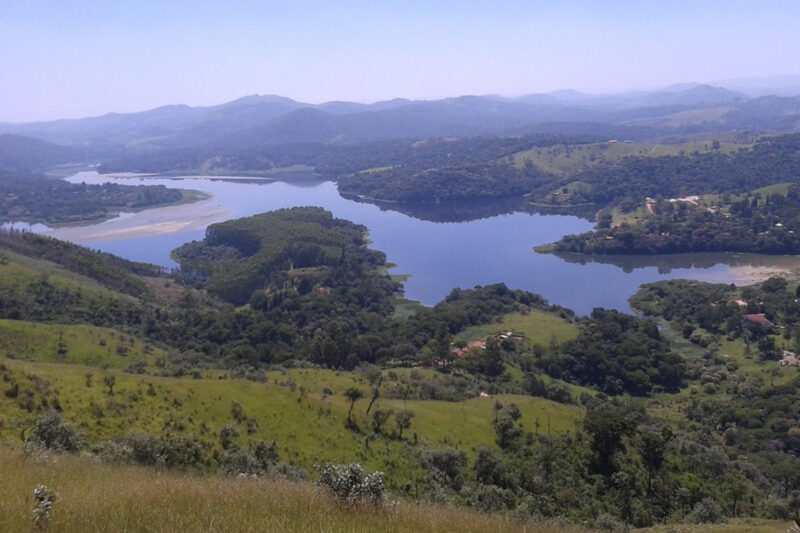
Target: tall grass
93,496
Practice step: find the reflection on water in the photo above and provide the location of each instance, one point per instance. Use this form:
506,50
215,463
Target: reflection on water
440,246
465,211
667,263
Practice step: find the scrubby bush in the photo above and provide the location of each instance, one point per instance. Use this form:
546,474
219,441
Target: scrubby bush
609,522
237,462
52,433
259,462
351,483
45,498
150,450
488,498
706,511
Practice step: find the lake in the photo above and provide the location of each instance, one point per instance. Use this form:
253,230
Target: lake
437,256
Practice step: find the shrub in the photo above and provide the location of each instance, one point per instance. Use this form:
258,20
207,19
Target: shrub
239,462
261,461
137,367
289,472
150,450
45,498
227,437
488,498
51,433
706,511
351,483
609,522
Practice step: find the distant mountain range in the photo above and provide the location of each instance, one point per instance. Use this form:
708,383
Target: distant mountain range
259,120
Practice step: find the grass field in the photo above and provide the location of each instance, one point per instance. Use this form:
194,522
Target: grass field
74,344
566,160
537,327
96,497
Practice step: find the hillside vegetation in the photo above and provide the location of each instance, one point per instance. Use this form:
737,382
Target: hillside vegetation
96,497
491,399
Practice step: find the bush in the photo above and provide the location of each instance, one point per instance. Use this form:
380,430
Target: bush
488,498
150,450
240,463
51,433
351,483
706,511
608,522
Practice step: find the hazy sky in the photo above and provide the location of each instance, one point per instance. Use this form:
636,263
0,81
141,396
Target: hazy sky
72,58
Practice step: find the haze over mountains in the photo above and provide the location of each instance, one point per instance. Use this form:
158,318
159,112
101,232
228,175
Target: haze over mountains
258,120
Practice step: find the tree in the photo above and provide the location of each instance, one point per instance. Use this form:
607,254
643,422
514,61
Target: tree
505,424
736,486
353,394
445,465
606,425
109,381
489,467
440,344
379,418
604,220
373,398
403,420
652,449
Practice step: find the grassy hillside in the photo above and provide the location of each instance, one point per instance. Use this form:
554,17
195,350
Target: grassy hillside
537,327
75,344
289,407
97,497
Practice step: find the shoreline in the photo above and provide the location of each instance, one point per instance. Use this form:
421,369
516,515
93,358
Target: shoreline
163,220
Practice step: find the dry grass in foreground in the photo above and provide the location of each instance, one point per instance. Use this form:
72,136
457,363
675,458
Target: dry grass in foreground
93,496
741,525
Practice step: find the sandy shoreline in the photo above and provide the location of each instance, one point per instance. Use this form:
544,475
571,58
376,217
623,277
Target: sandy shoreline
147,223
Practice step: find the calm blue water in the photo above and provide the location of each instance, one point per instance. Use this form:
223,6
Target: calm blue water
438,256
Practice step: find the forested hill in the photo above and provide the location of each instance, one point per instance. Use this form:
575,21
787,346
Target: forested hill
256,256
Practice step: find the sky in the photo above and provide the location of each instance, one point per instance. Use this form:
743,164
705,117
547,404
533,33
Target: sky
76,58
